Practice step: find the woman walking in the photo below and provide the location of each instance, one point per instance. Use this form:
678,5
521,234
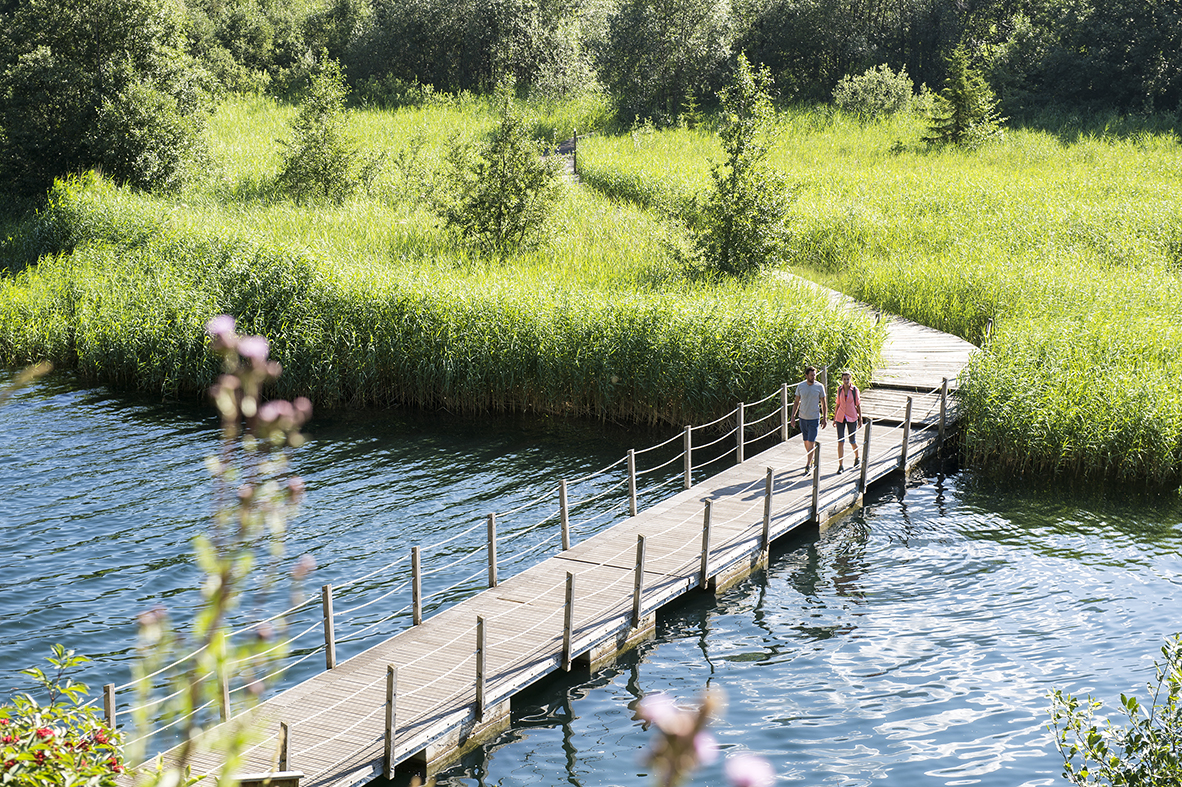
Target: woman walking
847,414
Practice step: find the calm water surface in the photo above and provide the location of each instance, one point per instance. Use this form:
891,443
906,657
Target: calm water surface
911,643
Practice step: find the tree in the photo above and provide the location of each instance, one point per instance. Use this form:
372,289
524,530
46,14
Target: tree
499,195
744,224
320,161
966,110
97,84
1146,753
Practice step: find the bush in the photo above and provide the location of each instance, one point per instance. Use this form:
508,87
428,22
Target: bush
63,742
499,196
320,161
1145,753
744,222
874,93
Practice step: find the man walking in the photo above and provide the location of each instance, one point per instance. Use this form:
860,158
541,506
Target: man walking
813,406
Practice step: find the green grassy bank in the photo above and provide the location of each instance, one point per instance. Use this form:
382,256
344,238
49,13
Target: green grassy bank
371,304
1071,243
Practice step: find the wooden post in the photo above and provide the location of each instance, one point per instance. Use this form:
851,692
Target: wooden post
574,154
784,412
638,587
330,636
492,550
823,376
689,453
943,408
391,720
284,759
568,624
702,577
416,587
877,317
109,704
481,649
817,482
631,482
564,508
766,541
865,457
906,435
739,429
988,330
224,696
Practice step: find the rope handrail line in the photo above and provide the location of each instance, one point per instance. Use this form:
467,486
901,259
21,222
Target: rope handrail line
769,397
282,669
511,537
608,490
600,515
717,440
708,462
676,479
516,556
718,420
166,667
338,703
277,645
666,463
461,534
463,556
288,611
172,723
176,693
548,496
757,421
455,585
376,571
354,637
350,728
600,471
640,451
388,593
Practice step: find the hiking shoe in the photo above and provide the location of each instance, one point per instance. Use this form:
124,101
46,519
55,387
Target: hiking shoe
855,461
840,469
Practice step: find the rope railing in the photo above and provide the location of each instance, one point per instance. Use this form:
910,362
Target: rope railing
774,416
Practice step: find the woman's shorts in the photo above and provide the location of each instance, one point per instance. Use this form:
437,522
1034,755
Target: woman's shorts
841,427
808,429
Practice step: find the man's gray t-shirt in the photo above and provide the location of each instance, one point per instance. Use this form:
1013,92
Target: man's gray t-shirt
810,399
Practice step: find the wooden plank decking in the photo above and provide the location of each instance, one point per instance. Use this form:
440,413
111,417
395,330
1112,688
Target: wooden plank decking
337,718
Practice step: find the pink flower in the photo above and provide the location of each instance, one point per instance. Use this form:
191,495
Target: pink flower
295,485
747,770
306,564
221,326
254,347
659,709
705,749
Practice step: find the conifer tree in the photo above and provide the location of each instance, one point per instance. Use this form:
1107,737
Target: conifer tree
966,110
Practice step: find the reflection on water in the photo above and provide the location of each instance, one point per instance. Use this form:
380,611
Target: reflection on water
913,641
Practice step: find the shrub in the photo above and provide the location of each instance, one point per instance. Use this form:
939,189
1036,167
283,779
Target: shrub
499,195
321,161
63,742
874,93
744,222
1145,753
966,111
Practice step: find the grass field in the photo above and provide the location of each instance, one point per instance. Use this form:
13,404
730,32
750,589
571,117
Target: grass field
372,303
1071,243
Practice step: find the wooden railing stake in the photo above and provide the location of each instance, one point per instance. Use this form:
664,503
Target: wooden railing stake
330,635
283,762
109,704
224,696
943,407
416,587
564,507
906,435
481,649
784,412
574,154
492,550
568,623
638,588
689,462
739,429
702,571
865,457
817,482
766,541
391,720
631,482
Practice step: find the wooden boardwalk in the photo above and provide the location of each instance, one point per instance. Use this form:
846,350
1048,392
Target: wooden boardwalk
456,671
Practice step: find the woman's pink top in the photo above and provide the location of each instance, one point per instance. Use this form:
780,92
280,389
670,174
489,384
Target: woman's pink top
847,405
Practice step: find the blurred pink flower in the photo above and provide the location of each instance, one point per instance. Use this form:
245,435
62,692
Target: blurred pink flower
747,770
254,347
220,326
705,748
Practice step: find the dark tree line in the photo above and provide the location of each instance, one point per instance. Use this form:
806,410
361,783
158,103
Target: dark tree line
121,84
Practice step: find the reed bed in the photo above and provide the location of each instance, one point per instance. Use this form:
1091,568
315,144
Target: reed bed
1070,242
370,303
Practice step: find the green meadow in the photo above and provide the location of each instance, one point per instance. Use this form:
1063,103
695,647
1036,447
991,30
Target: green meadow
1070,242
371,303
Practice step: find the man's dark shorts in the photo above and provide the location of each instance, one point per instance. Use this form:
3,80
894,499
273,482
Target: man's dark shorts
808,429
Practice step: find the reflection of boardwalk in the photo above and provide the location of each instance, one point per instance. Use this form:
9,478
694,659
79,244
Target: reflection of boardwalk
456,671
